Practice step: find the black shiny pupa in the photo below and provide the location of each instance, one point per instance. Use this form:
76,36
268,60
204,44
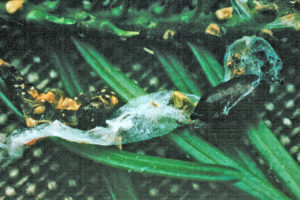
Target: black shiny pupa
230,99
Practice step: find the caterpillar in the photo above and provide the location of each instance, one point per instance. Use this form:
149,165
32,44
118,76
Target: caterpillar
83,112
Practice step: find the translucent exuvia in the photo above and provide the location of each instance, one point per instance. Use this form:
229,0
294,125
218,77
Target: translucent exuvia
252,55
140,119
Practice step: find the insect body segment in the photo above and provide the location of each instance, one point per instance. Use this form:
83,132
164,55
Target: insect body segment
95,111
85,112
14,82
